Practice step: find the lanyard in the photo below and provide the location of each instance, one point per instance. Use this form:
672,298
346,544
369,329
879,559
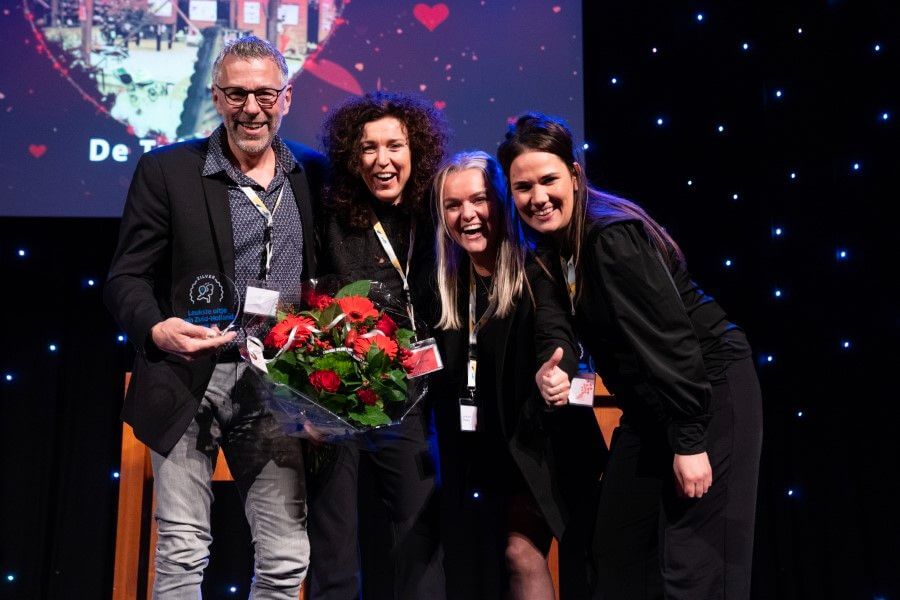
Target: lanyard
269,216
474,327
392,256
568,269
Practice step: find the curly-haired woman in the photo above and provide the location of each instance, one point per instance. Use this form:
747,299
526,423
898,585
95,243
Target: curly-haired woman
384,149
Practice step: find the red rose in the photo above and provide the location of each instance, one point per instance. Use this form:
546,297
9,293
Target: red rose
386,325
278,335
325,380
367,396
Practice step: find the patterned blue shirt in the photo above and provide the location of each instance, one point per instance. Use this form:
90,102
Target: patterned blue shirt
248,225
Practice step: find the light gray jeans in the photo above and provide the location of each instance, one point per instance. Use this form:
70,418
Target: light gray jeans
268,469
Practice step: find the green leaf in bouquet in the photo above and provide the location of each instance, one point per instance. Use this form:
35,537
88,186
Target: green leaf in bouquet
388,391
339,362
399,378
357,288
377,360
328,315
369,415
404,336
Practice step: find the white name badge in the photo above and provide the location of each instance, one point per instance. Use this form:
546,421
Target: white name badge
581,390
468,416
261,301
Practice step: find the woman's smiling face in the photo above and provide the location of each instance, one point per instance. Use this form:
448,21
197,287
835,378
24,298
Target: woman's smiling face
543,188
469,214
385,159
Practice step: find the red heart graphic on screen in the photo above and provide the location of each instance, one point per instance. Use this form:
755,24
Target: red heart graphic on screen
431,16
37,150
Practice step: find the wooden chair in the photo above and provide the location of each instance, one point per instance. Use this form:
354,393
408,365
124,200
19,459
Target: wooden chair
607,414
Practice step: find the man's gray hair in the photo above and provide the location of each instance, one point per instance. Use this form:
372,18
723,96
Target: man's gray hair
249,47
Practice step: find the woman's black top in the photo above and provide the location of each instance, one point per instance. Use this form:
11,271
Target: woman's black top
353,254
657,340
557,455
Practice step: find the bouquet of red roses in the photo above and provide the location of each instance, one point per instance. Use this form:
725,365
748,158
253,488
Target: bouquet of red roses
339,363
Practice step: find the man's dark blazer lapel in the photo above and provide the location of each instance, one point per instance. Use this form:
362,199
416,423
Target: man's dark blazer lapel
301,188
216,193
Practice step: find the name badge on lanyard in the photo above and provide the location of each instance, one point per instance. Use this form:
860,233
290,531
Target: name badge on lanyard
468,407
269,216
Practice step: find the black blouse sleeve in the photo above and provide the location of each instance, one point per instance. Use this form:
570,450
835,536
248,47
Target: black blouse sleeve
553,326
653,320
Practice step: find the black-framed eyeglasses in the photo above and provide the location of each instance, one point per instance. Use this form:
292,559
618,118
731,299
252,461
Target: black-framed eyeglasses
237,96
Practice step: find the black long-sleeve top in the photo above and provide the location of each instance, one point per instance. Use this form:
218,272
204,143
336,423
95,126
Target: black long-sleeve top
656,338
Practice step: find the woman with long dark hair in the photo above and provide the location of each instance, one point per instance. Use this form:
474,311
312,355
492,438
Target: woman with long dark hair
384,149
678,499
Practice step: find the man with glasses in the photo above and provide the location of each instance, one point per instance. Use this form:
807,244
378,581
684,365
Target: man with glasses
241,203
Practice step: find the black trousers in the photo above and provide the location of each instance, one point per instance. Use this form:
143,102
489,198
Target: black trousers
647,542
405,477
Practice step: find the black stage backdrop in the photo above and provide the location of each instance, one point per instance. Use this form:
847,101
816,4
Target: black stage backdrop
794,191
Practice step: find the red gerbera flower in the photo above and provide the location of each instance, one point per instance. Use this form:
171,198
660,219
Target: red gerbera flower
382,342
278,335
357,308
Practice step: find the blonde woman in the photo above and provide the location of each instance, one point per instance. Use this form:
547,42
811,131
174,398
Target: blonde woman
503,456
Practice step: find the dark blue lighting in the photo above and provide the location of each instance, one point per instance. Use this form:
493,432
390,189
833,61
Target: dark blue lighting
856,166
842,254
121,338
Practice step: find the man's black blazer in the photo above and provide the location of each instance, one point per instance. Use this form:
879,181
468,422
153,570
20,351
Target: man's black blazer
176,223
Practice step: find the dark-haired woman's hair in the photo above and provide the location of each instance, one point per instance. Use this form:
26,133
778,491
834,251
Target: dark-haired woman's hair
425,128
537,132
